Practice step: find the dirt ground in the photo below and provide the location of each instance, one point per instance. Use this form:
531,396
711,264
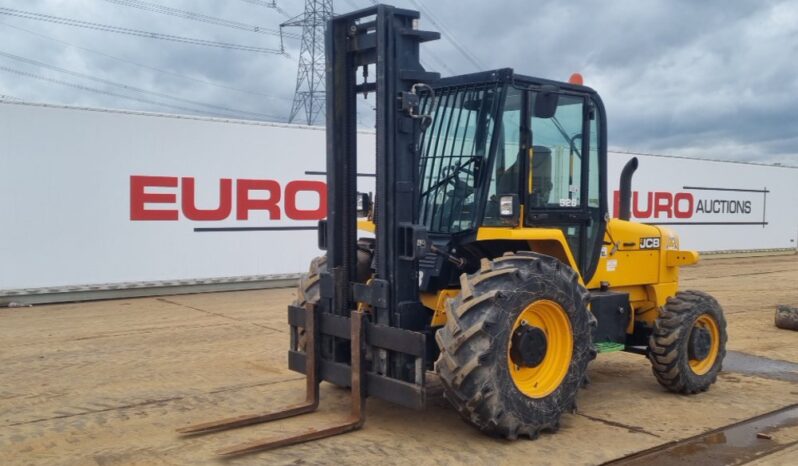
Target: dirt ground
108,382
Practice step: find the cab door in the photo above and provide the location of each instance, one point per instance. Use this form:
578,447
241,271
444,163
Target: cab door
562,182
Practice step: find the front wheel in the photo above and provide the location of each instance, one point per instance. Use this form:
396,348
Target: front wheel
516,345
688,343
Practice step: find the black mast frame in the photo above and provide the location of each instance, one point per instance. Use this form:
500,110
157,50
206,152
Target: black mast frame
385,39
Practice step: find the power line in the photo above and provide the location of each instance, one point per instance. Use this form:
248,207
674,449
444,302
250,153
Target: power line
688,157
449,36
152,68
272,4
426,51
437,60
354,6
113,94
132,32
132,88
155,8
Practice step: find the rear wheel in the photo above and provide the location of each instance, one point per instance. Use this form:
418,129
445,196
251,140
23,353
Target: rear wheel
516,345
688,343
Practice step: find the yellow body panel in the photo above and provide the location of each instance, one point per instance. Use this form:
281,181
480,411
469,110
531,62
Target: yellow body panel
550,241
366,225
679,258
639,259
647,270
650,275
622,262
437,303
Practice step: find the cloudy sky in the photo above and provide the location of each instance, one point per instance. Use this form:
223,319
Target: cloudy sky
715,79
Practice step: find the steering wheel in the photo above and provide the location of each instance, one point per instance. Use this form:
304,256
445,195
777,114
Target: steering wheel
452,175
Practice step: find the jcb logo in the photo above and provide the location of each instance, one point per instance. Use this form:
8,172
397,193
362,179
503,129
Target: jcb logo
649,243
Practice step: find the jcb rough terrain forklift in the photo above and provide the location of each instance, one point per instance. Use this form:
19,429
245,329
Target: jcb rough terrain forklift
493,263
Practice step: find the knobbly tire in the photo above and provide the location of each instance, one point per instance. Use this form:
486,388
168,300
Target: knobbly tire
307,291
673,340
308,287
474,360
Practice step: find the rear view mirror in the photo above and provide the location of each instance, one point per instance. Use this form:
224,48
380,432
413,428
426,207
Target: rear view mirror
546,101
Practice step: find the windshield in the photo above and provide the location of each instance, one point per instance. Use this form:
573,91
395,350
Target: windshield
454,150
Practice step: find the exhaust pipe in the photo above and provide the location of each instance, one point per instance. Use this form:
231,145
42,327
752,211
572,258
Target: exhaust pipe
625,212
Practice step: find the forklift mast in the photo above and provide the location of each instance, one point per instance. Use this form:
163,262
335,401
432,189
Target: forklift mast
390,42
382,42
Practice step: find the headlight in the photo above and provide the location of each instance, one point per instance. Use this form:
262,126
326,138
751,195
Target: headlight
507,206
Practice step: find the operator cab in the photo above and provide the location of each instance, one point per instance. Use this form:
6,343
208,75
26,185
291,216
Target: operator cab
510,151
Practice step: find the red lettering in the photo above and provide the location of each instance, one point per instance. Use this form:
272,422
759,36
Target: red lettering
138,197
295,187
686,212
248,198
636,212
244,204
668,205
189,203
663,203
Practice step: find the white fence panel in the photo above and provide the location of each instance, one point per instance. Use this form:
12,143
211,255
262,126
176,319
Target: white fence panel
94,196
714,206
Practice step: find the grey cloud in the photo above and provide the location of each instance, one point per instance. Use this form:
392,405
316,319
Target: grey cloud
715,78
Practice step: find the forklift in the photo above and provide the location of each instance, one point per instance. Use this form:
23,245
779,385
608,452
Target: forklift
493,268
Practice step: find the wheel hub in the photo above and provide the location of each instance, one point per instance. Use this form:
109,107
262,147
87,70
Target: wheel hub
528,346
700,343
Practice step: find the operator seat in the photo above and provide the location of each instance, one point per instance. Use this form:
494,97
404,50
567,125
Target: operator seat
540,176
507,179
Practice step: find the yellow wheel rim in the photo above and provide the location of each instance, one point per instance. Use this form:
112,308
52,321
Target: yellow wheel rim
702,366
540,381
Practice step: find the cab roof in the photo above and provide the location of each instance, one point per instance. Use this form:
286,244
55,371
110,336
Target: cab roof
508,75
